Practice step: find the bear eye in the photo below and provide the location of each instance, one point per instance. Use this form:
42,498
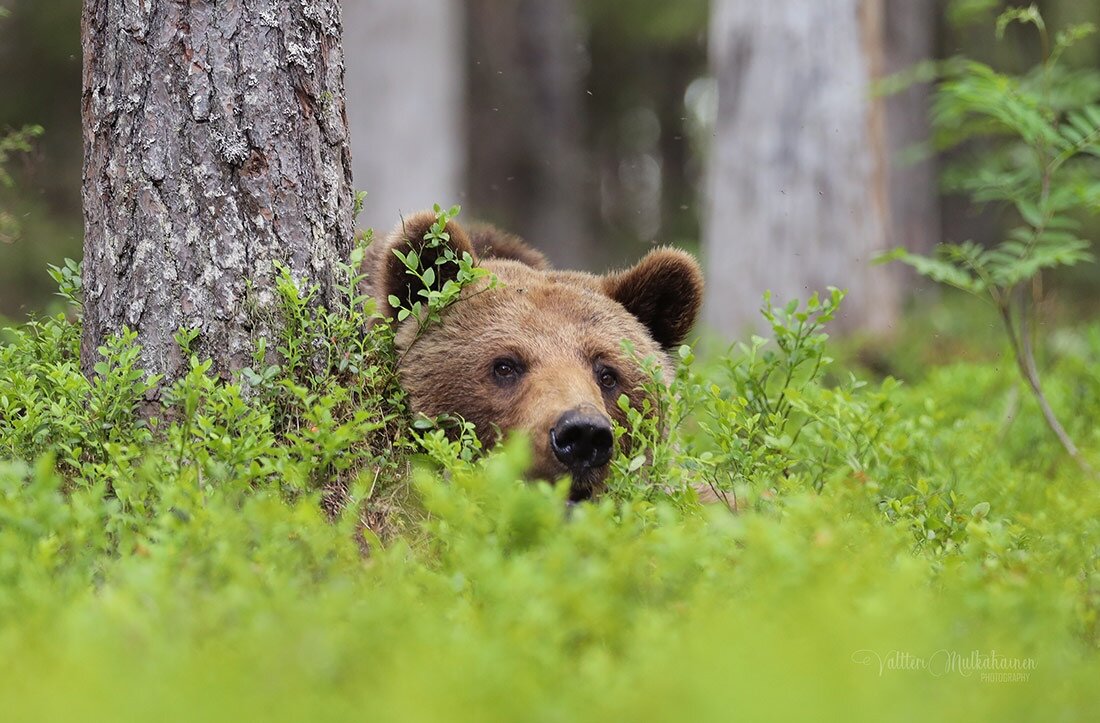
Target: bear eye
607,377
506,370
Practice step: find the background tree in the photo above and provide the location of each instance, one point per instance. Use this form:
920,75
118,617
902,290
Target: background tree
216,146
44,199
909,37
797,182
405,104
644,130
528,167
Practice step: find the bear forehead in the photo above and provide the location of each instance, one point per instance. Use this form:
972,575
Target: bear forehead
549,313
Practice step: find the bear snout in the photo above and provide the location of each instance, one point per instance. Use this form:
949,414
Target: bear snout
581,439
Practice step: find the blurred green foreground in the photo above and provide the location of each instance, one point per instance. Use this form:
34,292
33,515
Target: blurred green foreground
901,552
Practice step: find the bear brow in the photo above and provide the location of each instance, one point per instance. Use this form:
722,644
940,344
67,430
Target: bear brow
596,350
512,350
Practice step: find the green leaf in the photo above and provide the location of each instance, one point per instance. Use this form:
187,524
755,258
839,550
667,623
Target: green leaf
944,271
1019,15
1030,212
898,254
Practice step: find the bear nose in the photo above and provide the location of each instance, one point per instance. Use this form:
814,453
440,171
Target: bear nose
582,440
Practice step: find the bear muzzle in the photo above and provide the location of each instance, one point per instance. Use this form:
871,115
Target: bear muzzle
582,440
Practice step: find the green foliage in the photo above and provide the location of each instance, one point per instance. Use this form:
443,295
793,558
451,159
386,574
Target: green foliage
259,548
435,295
1035,146
651,22
18,141
746,411
70,284
324,415
963,12
771,418
194,563
1042,137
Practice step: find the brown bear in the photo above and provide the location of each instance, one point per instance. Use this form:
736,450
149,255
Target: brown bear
541,351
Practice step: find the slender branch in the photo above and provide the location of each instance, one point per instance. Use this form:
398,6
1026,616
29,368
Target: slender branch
1004,306
1025,358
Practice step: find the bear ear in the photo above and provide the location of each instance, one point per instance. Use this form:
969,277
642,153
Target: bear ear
390,276
664,291
492,243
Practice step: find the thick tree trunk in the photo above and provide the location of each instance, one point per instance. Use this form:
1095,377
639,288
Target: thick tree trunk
215,146
527,160
406,83
798,182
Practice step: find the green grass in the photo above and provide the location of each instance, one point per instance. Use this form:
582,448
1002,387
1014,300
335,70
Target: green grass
290,548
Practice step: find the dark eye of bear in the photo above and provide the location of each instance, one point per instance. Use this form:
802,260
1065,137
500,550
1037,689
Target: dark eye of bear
607,378
506,370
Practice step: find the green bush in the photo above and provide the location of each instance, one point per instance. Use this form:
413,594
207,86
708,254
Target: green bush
290,546
1037,137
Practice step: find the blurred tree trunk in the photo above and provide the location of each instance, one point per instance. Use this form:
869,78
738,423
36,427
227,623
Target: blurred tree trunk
914,196
798,180
527,166
215,145
406,92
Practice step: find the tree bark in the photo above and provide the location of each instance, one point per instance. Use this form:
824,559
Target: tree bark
527,161
216,145
406,99
797,186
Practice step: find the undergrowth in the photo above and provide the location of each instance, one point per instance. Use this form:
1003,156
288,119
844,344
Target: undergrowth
291,545
1031,143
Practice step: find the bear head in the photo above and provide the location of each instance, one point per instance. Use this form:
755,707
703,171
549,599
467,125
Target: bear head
540,351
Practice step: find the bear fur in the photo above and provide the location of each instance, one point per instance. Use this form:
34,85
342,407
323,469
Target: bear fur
541,352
